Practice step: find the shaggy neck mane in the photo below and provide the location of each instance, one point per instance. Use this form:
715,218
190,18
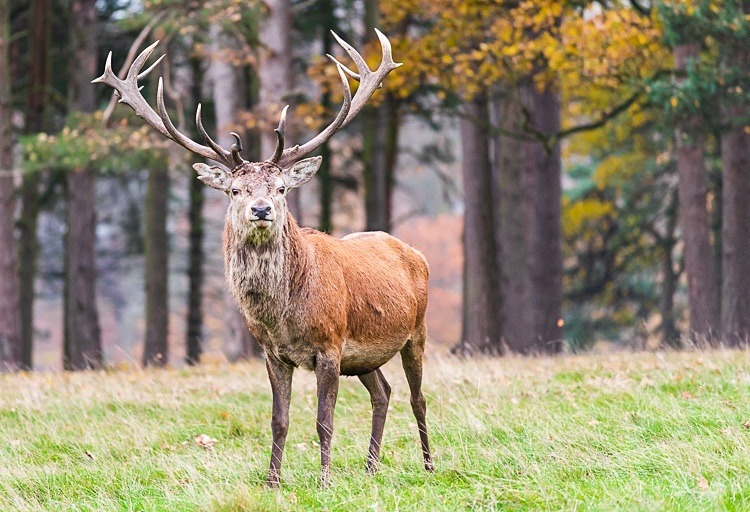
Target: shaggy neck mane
263,278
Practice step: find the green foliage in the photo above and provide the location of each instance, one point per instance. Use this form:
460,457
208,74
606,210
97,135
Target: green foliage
85,143
718,77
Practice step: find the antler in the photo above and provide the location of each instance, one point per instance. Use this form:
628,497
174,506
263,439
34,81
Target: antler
130,94
368,80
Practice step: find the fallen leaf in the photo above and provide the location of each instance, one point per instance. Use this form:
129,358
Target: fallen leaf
205,441
746,425
703,484
687,395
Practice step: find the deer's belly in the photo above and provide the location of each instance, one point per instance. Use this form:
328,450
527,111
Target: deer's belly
359,357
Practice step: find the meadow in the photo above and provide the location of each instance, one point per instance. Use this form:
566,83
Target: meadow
626,431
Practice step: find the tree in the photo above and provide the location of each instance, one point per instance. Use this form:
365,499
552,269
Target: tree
194,329
229,93
735,156
543,168
482,317
694,218
514,215
379,143
735,290
156,348
276,79
10,329
82,340
30,197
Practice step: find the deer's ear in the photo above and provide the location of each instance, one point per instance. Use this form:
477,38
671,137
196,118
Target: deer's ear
214,177
302,172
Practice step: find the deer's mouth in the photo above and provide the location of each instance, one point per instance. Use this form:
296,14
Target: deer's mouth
262,223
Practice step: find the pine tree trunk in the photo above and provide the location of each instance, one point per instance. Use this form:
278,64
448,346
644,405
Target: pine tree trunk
694,220
156,349
82,343
512,227
277,80
36,122
194,340
10,328
735,300
228,87
481,302
195,273
542,167
325,222
379,143
669,334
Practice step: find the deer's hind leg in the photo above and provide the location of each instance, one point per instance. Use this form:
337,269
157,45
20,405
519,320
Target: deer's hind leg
380,394
411,358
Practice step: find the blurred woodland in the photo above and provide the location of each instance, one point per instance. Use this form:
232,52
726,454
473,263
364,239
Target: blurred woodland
576,172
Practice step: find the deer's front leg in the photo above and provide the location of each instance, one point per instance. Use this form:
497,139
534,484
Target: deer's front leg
280,376
327,374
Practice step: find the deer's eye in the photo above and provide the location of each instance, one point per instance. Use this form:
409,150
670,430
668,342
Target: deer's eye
235,191
282,190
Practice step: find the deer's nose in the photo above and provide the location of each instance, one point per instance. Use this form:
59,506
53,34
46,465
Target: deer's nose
261,212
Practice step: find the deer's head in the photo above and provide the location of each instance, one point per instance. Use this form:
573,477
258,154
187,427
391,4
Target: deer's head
257,190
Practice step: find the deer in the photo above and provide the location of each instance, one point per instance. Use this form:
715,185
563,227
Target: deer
335,307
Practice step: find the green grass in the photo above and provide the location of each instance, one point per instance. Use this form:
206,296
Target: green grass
616,432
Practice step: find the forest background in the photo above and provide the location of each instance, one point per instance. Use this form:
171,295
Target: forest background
576,172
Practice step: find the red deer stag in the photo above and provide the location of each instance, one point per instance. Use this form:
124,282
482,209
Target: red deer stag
332,306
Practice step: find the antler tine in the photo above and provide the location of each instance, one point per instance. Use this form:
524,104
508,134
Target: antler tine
236,149
214,145
359,61
291,155
280,135
385,45
174,134
368,80
151,67
129,92
351,74
140,61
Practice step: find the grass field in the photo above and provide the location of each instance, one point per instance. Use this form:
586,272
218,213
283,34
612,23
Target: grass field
616,432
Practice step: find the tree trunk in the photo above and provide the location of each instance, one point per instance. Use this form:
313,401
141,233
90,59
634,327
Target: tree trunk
735,300
35,122
481,302
277,81
156,350
694,219
325,222
670,336
378,133
195,273
512,226
82,343
542,166
228,86
10,328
